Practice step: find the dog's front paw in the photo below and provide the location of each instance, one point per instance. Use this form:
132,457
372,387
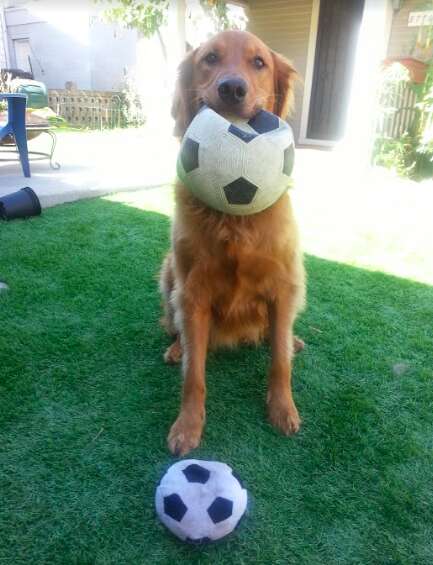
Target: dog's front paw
185,434
283,413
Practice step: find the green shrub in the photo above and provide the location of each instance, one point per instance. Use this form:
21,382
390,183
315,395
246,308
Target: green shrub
411,154
396,154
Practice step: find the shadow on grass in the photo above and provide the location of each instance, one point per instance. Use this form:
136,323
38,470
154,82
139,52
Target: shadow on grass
86,402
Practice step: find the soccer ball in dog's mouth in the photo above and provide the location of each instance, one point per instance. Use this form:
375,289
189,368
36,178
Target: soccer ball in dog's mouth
239,167
200,501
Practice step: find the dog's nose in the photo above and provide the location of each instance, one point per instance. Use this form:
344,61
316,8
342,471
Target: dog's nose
232,90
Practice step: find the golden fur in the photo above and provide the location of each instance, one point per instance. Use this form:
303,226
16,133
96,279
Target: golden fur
231,279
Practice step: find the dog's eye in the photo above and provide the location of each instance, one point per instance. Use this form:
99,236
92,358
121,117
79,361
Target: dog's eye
211,58
258,62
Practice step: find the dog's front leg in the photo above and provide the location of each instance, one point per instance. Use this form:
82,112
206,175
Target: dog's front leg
281,406
186,431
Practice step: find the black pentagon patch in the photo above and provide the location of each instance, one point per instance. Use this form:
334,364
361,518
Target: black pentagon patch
289,160
240,191
196,474
189,155
220,509
244,135
264,121
198,541
174,507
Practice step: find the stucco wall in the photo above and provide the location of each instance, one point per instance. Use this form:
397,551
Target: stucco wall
71,44
285,27
2,40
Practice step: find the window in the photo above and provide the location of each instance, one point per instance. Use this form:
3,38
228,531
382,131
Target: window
23,54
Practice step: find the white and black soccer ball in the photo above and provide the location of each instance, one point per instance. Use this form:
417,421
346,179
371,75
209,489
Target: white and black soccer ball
237,168
200,501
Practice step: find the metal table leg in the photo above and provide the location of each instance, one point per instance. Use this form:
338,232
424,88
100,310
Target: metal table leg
37,155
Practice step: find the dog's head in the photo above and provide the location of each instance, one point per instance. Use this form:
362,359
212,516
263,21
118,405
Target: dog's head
234,73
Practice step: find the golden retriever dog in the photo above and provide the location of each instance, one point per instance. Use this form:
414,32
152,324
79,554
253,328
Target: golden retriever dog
229,279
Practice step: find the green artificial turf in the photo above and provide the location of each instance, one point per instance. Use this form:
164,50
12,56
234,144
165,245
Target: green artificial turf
86,402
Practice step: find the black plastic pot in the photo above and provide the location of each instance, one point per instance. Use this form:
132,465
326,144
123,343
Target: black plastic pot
21,204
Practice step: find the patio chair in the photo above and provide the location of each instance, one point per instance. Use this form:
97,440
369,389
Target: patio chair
16,125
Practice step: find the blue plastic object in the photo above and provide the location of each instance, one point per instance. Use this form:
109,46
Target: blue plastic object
16,126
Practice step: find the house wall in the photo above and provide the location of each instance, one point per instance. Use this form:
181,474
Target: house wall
285,27
113,53
72,44
3,58
402,42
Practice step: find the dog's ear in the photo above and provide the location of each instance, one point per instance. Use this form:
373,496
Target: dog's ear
182,109
285,77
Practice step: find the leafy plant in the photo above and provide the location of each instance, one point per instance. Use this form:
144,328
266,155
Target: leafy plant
396,154
148,16
217,10
131,106
6,85
410,153
425,108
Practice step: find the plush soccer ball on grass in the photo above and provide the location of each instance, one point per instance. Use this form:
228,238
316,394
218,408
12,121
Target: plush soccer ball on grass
238,168
200,501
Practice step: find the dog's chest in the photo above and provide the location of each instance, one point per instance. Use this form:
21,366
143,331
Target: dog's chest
242,273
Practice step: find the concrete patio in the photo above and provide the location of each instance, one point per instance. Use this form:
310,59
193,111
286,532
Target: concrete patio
366,217
94,163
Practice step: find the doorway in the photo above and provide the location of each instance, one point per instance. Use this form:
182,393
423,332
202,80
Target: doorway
335,40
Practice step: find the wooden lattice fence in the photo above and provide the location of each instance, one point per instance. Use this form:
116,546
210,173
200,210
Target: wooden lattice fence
398,110
88,108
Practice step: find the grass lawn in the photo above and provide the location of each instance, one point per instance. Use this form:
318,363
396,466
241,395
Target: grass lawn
86,402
